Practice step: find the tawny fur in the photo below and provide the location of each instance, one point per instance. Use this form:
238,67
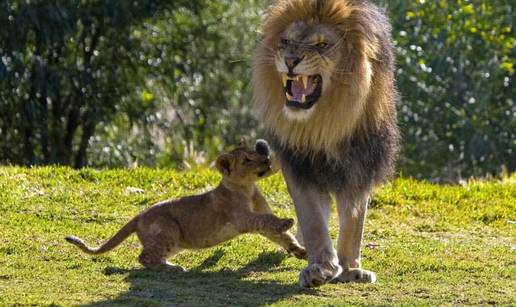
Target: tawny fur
361,96
236,206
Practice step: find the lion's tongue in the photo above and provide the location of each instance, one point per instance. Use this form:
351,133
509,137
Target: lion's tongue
298,88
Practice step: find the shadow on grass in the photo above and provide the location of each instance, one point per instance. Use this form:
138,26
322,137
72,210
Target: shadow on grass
200,288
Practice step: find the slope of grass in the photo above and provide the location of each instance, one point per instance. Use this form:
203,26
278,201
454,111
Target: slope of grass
429,245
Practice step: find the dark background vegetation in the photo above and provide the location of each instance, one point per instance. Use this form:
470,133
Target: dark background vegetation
166,83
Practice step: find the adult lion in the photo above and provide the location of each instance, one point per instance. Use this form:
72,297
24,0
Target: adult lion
324,88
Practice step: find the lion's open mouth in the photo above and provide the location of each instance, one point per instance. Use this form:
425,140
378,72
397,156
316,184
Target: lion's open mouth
302,91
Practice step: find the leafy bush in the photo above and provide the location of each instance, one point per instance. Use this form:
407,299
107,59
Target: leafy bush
197,73
161,82
67,67
456,76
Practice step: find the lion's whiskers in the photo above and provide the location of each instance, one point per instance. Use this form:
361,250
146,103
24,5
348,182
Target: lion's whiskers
342,72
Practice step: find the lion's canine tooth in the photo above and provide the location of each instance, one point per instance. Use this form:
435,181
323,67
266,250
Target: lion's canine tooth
290,98
284,77
303,98
305,81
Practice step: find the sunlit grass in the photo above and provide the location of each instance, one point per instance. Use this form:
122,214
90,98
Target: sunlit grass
428,244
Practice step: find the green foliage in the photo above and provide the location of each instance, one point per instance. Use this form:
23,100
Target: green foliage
67,67
158,83
197,69
456,77
429,244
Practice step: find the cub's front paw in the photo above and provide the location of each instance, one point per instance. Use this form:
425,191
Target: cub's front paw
283,225
298,251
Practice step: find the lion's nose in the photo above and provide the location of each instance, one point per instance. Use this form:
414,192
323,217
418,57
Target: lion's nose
292,61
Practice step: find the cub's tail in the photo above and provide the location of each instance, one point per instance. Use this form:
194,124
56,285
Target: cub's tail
118,238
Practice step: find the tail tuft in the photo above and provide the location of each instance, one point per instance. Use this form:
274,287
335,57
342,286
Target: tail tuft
79,243
120,236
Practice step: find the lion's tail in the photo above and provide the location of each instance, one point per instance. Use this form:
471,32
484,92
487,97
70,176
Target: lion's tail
118,238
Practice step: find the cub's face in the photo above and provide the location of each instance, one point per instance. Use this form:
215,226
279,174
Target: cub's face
244,166
306,58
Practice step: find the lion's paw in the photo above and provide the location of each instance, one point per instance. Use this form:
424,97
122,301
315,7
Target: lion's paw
318,274
356,275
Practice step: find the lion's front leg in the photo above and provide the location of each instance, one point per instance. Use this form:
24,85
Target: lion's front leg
352,213
312,209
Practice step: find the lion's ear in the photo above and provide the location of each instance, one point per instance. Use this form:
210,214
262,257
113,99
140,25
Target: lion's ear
223,164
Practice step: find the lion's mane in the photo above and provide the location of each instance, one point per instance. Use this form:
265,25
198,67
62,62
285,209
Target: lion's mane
355,119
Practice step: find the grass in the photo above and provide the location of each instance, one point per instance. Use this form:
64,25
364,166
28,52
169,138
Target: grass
428,244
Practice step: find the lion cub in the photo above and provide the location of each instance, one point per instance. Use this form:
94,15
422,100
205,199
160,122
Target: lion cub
234,207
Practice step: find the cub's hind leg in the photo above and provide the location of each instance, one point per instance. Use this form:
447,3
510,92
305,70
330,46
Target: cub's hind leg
156,260
160,241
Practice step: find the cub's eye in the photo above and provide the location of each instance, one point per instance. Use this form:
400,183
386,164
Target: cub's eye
286,41
322,45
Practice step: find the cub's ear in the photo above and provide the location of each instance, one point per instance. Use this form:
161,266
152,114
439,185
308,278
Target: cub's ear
223,164
243,143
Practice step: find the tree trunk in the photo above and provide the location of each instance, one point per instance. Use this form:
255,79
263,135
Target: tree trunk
81,158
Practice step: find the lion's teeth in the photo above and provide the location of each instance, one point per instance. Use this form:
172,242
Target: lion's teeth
290,98
303,98
284,77
305,81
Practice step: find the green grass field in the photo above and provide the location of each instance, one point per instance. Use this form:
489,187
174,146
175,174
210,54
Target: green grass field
428,244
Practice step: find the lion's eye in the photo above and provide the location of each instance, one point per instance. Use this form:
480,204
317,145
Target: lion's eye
322,45
285,41
247,160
